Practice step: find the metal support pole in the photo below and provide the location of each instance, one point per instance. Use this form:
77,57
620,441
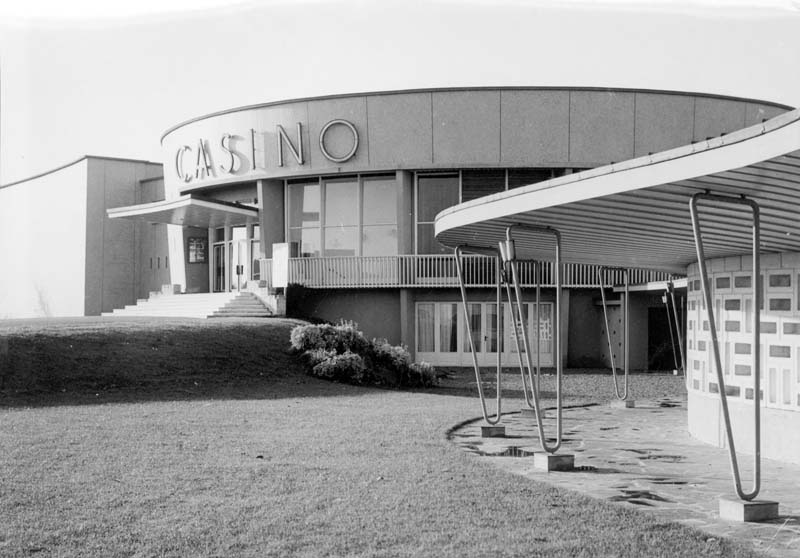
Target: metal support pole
600,276
678,328
468,328
508,253
701,264
665,299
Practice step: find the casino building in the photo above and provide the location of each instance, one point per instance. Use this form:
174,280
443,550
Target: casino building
325,208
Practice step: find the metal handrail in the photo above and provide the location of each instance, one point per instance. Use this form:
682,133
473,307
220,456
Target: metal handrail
701,263
457,252
600,273
508,253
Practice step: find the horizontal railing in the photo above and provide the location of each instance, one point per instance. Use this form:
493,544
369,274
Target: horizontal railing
438,270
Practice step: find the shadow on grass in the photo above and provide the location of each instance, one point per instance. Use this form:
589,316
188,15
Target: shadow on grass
84,361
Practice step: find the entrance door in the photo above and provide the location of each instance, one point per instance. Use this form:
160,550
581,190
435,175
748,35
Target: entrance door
240,264
220,268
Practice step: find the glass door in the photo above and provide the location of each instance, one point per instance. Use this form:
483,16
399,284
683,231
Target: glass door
219,267
240,264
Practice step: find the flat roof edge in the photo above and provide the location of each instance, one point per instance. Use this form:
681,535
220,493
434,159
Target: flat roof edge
454,89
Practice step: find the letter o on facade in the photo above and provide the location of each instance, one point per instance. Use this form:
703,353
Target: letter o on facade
324,131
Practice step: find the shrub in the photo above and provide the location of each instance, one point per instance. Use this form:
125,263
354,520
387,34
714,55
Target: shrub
339,338
342,353
346,367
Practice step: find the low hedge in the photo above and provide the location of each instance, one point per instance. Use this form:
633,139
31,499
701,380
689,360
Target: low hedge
342,353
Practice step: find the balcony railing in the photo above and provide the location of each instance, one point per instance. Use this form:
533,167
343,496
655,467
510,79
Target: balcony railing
427,271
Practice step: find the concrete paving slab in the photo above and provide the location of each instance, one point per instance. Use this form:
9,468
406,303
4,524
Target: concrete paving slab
644,457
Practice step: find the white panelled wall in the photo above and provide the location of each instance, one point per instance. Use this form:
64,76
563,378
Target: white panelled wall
731,283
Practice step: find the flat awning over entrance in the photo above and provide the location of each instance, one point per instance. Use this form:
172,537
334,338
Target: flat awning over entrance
188,211
636,213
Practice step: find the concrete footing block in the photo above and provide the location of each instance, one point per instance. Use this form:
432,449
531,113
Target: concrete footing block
493,431
741,510
626,404
551,462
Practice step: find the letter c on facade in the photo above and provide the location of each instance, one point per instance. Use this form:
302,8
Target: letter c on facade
185,176
324,131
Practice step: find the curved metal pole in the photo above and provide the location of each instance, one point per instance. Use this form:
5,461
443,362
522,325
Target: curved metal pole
600,275
468,327
701,264
678,328
671,332
508,253
522,366
517,317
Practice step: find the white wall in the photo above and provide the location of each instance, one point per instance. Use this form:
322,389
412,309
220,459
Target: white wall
779,354
42,244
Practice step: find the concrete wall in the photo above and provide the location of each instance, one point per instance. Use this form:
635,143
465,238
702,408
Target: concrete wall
454,128
43,230
152,244
111,244
779,354
376,311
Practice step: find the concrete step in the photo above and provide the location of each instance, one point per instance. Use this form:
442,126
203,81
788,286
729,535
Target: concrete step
199,305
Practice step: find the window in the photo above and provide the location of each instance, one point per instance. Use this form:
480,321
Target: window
344,217
434,193
341,218
479,183
304,217
379,221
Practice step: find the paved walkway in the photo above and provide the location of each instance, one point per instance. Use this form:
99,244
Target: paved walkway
644,457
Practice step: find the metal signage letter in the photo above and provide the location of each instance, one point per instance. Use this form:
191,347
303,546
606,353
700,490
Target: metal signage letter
324,131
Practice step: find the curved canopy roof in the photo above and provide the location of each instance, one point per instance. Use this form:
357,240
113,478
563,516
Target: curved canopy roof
188,211
636,213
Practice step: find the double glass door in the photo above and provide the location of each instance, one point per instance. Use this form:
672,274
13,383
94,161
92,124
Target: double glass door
232,260
442,334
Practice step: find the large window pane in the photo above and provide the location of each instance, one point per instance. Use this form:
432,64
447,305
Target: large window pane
379,240
427,243
380,201
523,177
483,182
475,329
238,233
491,326
341,203
341,241
425,327
308,240
304,205
435,193
448,328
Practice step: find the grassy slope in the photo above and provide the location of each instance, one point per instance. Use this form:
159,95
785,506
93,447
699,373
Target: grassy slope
294,467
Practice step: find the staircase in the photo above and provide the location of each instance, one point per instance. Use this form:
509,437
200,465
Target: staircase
244,305
200,305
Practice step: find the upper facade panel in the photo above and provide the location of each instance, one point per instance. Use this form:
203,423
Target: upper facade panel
443,129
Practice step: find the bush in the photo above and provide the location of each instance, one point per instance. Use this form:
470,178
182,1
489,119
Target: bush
342,353
339,338
346,367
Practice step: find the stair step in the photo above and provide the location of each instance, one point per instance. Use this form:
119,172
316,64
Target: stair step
197,305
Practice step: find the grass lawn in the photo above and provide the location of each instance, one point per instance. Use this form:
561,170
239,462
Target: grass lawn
209,441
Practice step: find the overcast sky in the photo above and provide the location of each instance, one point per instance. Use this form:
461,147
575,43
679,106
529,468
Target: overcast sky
78,78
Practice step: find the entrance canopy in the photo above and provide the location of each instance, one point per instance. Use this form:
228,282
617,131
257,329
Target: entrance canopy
189,211
636,213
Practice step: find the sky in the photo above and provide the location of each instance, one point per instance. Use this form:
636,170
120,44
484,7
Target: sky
97,78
